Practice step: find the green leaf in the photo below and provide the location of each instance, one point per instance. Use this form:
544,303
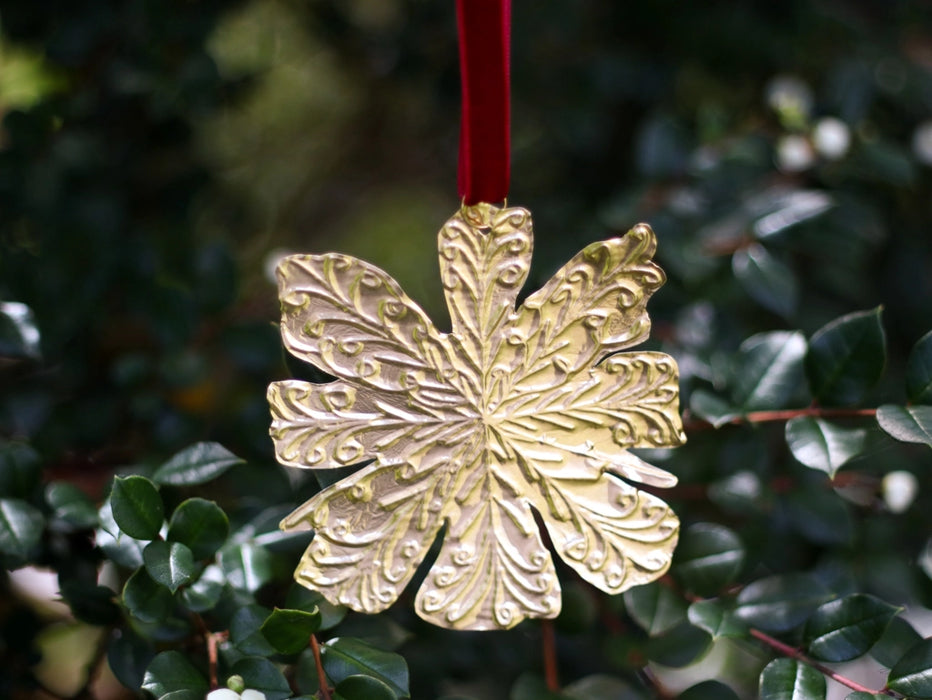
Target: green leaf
137,507
655,607
170,673
345,656
301,598
361,687
788,679
197,464
530,686
201,525
822,445
19,334
708,558
205,592
118,547
907,423
289,631
71,504
858,695
21,528
846,358
247,566
20,470
680,646
708,690
129,656
712,408
912,675
780,603
821,516
897,639
246,631
844,629
145,599
919,371
767,280
262,675
601,687
169,563
711,616
768,370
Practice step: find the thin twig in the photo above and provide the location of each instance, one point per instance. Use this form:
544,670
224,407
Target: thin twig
549,644
753,417
794,653
213,641
321,676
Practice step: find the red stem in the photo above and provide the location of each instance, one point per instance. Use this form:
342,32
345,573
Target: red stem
785,414
794,653
549,643
321,676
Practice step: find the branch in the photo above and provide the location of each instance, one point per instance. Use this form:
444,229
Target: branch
794,653
321,676
696,424
549,642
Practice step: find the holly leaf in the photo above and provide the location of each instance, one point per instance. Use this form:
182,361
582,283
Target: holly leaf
196,464
822,445
907,423
788,679
137,507
847,628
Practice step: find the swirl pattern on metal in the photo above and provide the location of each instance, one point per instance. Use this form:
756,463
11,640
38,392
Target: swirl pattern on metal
517,411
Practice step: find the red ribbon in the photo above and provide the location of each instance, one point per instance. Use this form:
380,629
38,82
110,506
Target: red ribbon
485,146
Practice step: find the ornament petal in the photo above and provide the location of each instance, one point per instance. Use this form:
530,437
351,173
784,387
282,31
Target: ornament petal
594,305
492,572
614,535
337,424
630,400
351,319
372,529
485,254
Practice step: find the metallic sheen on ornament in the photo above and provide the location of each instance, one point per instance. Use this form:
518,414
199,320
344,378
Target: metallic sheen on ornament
516,411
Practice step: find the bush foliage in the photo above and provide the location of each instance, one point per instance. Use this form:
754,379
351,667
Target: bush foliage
155,157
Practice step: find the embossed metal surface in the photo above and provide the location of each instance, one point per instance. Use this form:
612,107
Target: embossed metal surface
515,411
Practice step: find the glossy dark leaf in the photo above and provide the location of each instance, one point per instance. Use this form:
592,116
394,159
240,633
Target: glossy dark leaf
912,674
197,464
361,687
768,281
201,525
655,607
91,603
301,598
169,563
768,370
246,631
204,593
262,675
897,639
247,566
21,528
712,408
289,631
137,507
919,371
345,656
847,628
780,603
170,673
788,679
846,358
679,646
708,558
708,690
822,445
128,656
71,505
145,599
714,618
907,423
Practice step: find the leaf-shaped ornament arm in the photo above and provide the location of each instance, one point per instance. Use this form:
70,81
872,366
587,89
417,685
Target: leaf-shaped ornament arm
516,410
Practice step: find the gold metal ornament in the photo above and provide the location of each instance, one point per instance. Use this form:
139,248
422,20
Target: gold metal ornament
515,411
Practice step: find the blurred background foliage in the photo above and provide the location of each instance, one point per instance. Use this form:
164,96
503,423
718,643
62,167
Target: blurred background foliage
157,158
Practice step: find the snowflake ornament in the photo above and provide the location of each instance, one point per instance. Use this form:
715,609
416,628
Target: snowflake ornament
516,411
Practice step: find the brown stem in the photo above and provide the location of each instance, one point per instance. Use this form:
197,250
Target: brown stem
794,653
696,424
322,677
213,641
549,643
